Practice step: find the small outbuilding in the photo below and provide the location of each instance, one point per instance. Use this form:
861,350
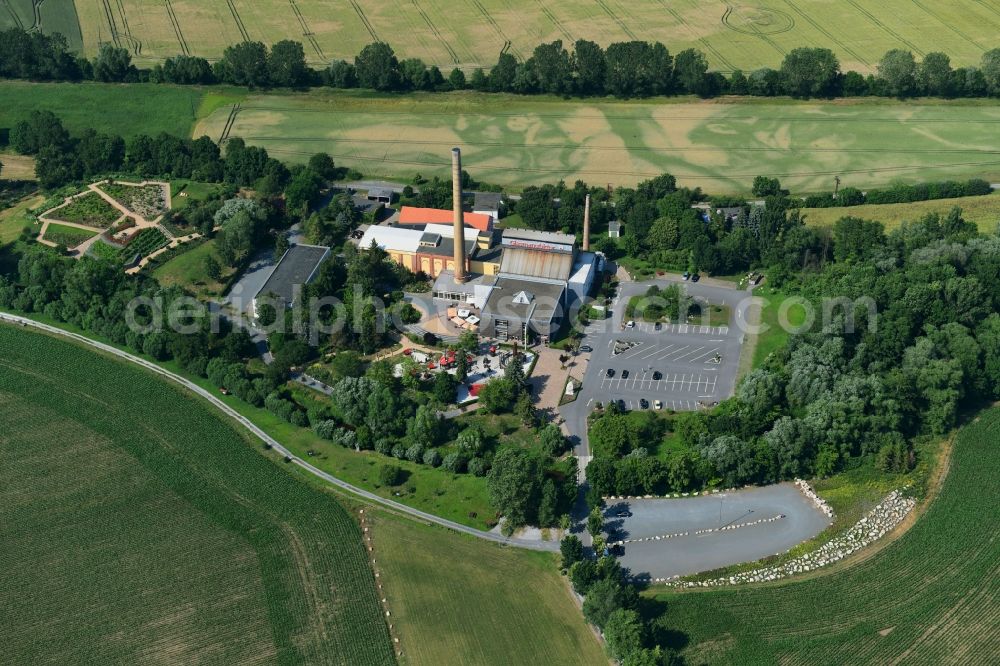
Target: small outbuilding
614,229
381,195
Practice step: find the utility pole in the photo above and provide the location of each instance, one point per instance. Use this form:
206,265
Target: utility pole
836,186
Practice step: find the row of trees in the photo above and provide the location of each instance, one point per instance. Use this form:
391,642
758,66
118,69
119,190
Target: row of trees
623,69
613,605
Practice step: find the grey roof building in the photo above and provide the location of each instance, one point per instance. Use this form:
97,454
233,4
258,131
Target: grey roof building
516,308
380,194
487,203
297,267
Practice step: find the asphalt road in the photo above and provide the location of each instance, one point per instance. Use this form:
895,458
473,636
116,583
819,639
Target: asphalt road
267,439
684,555
695,363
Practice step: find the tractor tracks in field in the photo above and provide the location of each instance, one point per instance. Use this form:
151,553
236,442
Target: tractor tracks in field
306,30
955,30
437,33
754,30
507,44
364,19
617,19
230,121
121,36
14,15
889,31
555,21
239,20
701,40
829,35
175,24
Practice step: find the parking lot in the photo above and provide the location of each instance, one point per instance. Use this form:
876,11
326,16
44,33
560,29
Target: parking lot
683,366
676,537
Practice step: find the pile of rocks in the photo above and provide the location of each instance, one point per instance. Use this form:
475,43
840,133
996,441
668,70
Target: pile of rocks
707,530
881,520
817,500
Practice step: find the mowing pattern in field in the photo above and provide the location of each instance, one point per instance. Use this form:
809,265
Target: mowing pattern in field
719,147
459,600
138,527
732,35
930,598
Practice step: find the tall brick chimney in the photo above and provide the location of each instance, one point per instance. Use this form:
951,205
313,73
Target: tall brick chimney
459,220
586,224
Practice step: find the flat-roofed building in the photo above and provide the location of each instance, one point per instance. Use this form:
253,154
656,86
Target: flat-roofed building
297,267
487,203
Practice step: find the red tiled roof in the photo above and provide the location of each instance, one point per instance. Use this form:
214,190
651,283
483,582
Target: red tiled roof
410,215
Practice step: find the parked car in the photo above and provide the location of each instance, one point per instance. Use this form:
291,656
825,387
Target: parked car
623,513
657,404
695,277
657,326
657,376
624,374
586,348
643,403
610,373
621,405
685,276
630,324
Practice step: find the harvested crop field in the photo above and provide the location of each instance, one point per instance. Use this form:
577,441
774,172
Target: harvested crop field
716,145
139,527
743,36
928,598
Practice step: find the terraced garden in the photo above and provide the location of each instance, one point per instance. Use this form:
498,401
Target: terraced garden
148,201
61,234
140,527
89,209
929,598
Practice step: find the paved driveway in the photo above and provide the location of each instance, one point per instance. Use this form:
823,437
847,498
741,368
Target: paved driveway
682,365
756,530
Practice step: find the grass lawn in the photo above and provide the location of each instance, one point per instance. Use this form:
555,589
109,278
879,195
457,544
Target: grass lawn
927,598
187,270
718,145
984,211
13,219
455,599
140,526
183,192
17,167
773,335
122,109
470,35
68,236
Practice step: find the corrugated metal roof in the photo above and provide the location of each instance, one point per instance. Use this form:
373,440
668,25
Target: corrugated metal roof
542,236
392,238
532,263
